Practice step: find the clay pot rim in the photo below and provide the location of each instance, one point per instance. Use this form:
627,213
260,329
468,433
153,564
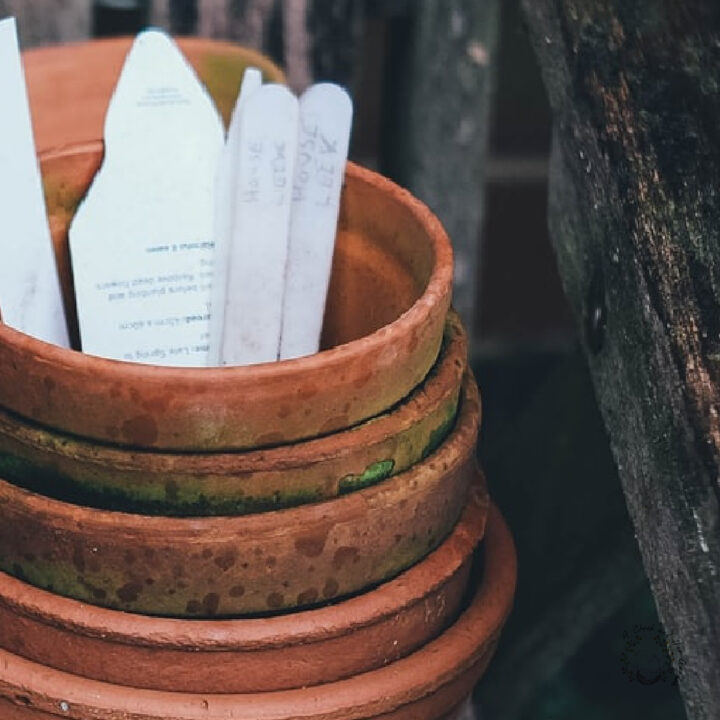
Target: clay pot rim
69,516
287,456
438,287
468,642
298,628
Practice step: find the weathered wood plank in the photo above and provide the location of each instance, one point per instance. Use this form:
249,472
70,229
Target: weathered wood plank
635,220
440,96
42,22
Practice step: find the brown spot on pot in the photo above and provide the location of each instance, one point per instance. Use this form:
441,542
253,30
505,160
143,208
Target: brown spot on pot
344,555
140,430
307,391
237,591
271,562
226,559
306,597
193,607
312,545
331,588
207,553
284,411
129,592
211,603
275,600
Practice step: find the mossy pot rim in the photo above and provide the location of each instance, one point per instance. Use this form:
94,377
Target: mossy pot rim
444,670
216,566
305,648
139,470
233,408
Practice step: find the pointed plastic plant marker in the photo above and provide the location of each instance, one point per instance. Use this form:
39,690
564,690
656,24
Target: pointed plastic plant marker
30,296
142,241
256,277
324,136
226,190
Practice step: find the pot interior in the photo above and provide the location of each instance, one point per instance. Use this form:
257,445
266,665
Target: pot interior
383,256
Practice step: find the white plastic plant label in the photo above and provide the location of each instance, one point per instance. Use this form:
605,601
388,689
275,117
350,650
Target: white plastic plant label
142,241
226,191
324,136
30,296
256,277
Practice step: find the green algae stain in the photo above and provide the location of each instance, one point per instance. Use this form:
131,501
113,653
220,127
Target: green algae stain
438,435
374,473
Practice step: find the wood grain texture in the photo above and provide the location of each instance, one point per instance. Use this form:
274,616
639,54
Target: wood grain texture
42,22
634,215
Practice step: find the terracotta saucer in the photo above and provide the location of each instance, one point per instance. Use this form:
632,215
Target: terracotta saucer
287,651
429,684
153,482
387,303
265,562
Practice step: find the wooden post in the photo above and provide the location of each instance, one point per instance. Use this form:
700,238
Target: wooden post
439,94
635,221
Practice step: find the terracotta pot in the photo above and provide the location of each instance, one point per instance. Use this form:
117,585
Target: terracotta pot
239,565
287,651
69,86
430,684
389,295
235,483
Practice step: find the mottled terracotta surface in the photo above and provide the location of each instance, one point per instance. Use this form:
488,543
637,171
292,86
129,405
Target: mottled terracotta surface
236,483
389,295
263,562
69,86
287,651
426,685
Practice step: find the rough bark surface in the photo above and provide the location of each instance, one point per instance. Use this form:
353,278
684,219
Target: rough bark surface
635,220
442,100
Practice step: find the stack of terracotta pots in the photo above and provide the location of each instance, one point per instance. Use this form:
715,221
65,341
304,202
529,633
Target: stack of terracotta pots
305,539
